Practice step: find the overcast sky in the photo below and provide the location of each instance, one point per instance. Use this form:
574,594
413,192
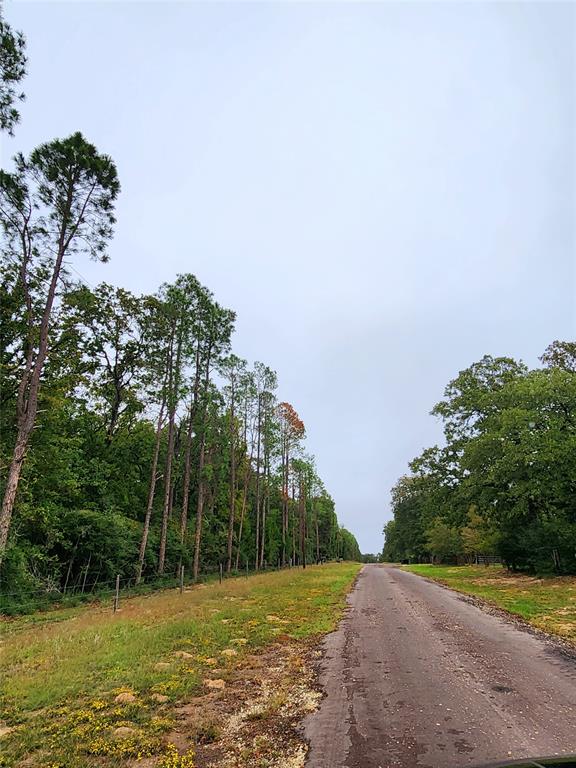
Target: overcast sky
384,192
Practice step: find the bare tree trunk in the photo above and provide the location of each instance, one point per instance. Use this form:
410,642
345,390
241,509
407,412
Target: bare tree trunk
70,563
27,401
284,497
315,508
244,504
240,534
242,513
265,511
293,526
151,493
117,402
12,485
171,397
115,413
258,441
203,493
232,479
167,493
187,467
86,572
199,506
186,480
302,505
201,460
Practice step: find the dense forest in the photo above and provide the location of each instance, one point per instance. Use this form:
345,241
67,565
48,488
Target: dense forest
504,483
134,441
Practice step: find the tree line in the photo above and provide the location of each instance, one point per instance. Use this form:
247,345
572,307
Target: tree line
134,440
504,483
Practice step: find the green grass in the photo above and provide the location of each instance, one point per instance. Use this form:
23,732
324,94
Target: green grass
61,672
547,603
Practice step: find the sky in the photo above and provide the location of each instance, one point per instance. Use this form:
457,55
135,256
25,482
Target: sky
383,192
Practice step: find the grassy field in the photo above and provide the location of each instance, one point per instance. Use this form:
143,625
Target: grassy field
547,603
84,687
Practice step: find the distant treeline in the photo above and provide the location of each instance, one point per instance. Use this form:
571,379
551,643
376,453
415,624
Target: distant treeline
134,441
505,481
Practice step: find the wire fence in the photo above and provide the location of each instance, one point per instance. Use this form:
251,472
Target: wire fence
14,603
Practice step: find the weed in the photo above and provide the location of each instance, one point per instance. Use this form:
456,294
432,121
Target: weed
173,759
206,733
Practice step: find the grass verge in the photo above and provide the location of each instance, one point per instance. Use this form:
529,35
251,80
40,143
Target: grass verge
547,603
86,687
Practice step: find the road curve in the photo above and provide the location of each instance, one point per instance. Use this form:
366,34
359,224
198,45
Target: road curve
417,676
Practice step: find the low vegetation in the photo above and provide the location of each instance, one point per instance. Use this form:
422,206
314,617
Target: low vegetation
84,687
547,603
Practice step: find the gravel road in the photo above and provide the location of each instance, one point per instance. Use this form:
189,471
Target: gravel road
417,676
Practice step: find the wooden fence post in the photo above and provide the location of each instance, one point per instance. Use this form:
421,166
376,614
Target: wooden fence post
117,595
220,573
181,579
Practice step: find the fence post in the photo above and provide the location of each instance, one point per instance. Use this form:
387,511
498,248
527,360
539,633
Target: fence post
181,579
117,595
220,573
246,567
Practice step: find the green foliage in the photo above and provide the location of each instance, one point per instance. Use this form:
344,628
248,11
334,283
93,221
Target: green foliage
348,548
12,71
443,541
505,481
405,534
83,494
478,535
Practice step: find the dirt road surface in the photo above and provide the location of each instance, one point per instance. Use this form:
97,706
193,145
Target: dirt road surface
417,676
